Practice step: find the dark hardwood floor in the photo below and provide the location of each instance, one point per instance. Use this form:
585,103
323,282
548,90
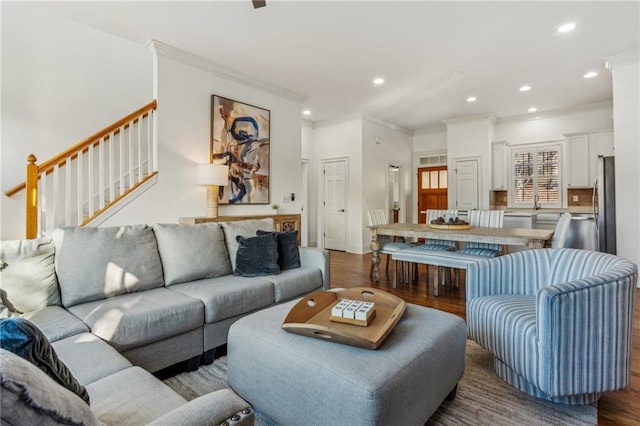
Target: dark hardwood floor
618,408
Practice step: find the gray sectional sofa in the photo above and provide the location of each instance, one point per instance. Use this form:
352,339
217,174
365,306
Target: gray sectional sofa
120,302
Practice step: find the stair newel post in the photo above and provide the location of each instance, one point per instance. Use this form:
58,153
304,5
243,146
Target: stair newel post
32,197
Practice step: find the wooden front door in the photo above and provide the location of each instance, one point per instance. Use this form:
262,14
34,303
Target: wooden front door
432,190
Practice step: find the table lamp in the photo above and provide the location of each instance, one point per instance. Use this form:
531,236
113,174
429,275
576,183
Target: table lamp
213,175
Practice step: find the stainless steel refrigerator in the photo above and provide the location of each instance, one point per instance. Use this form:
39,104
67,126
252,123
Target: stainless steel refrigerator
604,206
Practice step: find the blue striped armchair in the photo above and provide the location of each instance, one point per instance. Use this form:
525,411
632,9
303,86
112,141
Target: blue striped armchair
558,322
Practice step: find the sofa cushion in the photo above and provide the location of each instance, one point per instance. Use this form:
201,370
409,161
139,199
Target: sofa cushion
22,338
56,323
31,397
228,296
257,256
27,275
132,397
95,263
295,283
192,252
131,320
89,358
288,252
245,228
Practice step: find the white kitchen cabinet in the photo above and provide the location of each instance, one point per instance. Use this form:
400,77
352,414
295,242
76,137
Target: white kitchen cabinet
499,165
579,161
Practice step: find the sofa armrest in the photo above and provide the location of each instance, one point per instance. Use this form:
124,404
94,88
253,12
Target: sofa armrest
313,257
522,272
585,332
210,409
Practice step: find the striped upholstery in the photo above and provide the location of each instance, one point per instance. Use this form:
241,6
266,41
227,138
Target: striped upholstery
485,219
561,232
387,245
432,215
558,321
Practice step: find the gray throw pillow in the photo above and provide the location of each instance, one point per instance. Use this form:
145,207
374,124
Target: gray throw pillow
23,338
245,228
288,252
257,256
30,397
27,275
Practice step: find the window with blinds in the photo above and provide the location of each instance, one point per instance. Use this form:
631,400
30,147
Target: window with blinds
536,171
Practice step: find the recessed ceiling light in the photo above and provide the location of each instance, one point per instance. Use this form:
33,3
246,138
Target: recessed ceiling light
378,81
471,99
525,88
590,74
532,109
570,26
306,112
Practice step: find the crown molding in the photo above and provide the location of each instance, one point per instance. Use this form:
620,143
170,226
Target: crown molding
432,129
559,112
476,117
386,124
188,58
627,58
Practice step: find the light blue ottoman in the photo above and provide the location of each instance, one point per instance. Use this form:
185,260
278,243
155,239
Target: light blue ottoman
300,380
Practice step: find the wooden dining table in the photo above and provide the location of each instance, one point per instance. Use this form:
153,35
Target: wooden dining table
532,238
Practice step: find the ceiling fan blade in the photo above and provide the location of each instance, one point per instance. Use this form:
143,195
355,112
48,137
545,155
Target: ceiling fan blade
259,3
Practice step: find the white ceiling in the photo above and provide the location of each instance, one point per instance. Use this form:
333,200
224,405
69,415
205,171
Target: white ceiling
433,55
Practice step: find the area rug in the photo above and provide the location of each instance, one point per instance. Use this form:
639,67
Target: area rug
482,398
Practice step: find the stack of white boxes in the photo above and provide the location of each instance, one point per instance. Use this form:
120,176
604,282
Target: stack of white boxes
357,311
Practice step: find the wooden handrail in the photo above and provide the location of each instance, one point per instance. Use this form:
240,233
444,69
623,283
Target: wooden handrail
83,145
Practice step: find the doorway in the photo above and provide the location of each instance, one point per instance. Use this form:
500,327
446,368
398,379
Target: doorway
334,202
432,190
467,184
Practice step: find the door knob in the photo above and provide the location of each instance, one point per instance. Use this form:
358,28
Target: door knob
341,211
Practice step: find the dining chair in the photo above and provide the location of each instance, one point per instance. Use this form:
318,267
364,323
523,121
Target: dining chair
484,219
559,239
387,245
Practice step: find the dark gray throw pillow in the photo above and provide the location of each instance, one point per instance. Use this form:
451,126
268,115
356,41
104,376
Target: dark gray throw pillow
257,256
24,339
288,251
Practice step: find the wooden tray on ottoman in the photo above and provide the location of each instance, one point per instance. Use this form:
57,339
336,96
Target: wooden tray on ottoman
310,317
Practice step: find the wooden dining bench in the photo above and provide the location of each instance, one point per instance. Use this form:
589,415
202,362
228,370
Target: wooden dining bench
448,259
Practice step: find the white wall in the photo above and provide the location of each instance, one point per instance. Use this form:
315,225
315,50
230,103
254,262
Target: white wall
626,103
342,139
184,123
308,153
471,138
433,139
61,82
393,146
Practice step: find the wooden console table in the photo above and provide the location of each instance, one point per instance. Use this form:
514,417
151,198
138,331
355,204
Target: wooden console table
283,222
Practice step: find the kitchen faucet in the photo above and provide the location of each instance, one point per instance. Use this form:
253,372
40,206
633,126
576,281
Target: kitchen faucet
536,202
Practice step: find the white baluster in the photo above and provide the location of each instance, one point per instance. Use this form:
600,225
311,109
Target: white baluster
80,181
149,143
90,178
56,196
42,206
130,156
139,126
112,179
101,186
67,192
121,167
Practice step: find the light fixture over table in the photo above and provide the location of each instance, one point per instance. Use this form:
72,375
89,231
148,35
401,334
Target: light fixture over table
212,175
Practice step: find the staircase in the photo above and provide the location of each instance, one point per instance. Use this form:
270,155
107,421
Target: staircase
89,182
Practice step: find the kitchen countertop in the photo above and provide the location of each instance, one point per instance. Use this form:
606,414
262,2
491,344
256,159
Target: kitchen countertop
531,212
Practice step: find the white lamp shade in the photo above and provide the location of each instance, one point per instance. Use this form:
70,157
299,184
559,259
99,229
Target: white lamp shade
213,174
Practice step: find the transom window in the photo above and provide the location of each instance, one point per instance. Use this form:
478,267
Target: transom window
536,171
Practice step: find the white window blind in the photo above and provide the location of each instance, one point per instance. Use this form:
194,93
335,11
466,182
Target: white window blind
536,171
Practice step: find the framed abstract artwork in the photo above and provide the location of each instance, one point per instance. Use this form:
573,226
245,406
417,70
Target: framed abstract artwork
240,138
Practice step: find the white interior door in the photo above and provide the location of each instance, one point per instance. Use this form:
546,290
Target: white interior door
334,204
466,184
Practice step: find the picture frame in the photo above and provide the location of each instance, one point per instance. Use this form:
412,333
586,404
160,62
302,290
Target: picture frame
240,138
